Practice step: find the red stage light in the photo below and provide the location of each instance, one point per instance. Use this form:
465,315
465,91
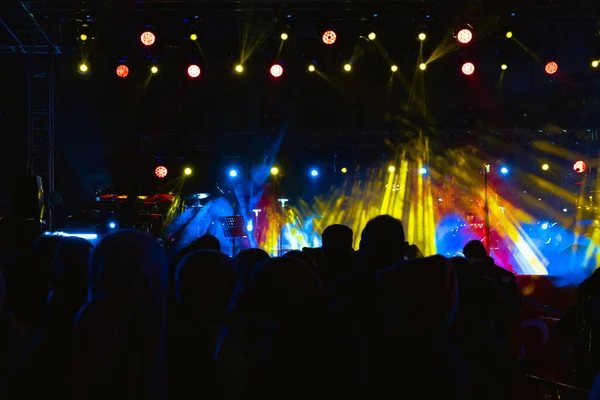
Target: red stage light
329,37
161,172
148,38
276,70
579,167
464,36
122,71
193,71
468,68
551,68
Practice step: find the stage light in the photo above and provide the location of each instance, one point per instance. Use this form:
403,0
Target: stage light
423,171
276,70
391,169
565,210
311,68
83,67
239,68
284,36
122,71
422,36
148,38
314,172
509,35
83,37
348,67
344,170
468,68
329,37
161,172
545,226
233,173
551,68
193,37
394,68
422,66
112,225
464,36
595,63
193,71
504,67
372,36
579,167
154,69
250,226
545,167
274,171
187,171
504,170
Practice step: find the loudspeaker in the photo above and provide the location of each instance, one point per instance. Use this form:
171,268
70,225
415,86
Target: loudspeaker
28,198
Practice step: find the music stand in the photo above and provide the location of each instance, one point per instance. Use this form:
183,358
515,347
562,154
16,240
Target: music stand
233,227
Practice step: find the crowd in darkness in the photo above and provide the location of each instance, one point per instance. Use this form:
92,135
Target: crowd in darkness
124,319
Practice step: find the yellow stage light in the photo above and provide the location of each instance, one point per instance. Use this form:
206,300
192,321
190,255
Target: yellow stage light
595,64
154,69
83,37
284,36
239,68
422,36
347,67
83,67
391,168
274,171
394,68
509,35
545,167
504,67
423,66
372,36
187,171
193,37
311,68
344,170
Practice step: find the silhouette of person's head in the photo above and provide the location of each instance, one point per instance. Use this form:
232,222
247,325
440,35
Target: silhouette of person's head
475,250
205,242
382,242
302,256
337,241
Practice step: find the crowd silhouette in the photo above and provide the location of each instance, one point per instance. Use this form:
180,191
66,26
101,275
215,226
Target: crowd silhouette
124,319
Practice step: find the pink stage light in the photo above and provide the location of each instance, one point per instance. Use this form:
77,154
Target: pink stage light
193,71
148,38
122,71
551,68
468,68
579,167
464,36
329,37
161,172
276,70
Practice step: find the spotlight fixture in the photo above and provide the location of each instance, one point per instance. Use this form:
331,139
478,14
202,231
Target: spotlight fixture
83,67
148,38
423,171
122,71
344,170
509,35
161,172
311,68
193,71
595,63
154,69
391,169
329,37
394,68
504,170
422,66
465,35
276,70
187,171
551,68
372,36
83,37
284,36
504,67
422,36
193,37
239,68
314,172
233,173
347,67
468,68
274,171
579,167
545,167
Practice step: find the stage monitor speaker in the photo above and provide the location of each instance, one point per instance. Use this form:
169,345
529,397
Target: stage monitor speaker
28,198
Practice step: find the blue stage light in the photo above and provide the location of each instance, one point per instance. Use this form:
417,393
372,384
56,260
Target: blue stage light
504,170
233,173
423,171
314,172
250,226
112,225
